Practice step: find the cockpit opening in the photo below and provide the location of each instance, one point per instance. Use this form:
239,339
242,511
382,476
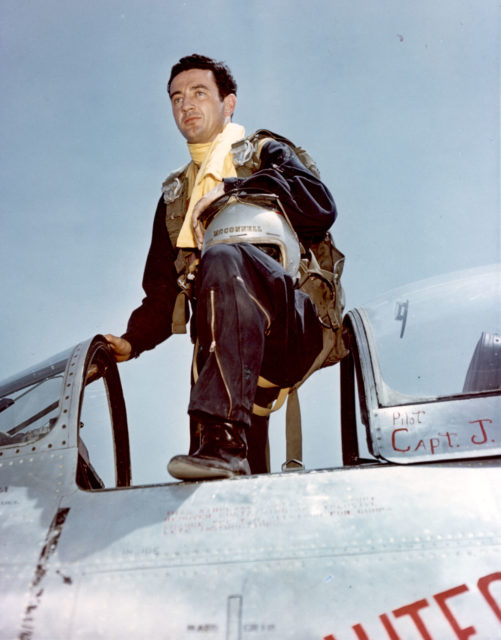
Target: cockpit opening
484,372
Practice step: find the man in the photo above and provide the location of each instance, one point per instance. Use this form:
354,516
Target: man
249,323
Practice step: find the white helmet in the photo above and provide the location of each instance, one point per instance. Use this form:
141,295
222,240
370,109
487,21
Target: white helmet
247,221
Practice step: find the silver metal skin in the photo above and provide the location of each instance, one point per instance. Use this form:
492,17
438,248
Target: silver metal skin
245,222
402,544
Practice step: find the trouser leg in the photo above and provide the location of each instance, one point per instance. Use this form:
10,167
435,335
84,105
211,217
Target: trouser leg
230,329
250,321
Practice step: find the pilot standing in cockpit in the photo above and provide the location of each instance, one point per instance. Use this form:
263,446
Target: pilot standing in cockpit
254,331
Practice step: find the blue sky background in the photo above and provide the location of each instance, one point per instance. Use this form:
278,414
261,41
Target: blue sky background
397,101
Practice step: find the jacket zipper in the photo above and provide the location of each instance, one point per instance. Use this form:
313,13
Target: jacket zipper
258,305
212,348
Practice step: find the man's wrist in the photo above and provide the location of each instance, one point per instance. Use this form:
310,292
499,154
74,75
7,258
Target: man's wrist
134,351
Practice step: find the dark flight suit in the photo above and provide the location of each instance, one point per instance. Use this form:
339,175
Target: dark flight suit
248,320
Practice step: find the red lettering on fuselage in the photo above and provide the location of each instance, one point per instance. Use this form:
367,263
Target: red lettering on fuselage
399,441
483,438
393,440
413,610
440,598
483,586
413,440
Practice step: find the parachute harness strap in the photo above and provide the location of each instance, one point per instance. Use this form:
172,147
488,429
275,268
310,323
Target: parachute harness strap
273,406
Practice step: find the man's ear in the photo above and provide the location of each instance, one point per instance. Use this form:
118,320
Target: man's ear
230,102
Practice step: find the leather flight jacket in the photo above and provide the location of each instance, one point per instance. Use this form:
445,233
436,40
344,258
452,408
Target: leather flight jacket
320,269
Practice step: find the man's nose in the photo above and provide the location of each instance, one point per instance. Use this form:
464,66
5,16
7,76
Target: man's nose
187,104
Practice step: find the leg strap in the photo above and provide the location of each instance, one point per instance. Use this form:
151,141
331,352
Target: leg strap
293,434
276,402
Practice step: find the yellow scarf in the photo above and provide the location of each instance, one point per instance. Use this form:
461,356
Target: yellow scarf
211,162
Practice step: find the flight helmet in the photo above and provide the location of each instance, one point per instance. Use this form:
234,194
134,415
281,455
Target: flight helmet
259,221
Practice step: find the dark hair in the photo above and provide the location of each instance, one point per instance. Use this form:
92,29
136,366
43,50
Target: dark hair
224,80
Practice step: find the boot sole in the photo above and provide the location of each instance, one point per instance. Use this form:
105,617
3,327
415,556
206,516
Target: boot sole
186,470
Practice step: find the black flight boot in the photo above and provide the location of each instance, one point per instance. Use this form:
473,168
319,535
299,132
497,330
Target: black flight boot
222,454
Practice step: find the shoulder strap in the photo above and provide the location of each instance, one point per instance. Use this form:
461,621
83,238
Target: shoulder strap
174,189
246,152
172,186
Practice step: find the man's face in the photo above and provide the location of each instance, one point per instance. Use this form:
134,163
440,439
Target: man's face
198,110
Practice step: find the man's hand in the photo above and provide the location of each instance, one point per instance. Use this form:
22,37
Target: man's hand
121,348
200,206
